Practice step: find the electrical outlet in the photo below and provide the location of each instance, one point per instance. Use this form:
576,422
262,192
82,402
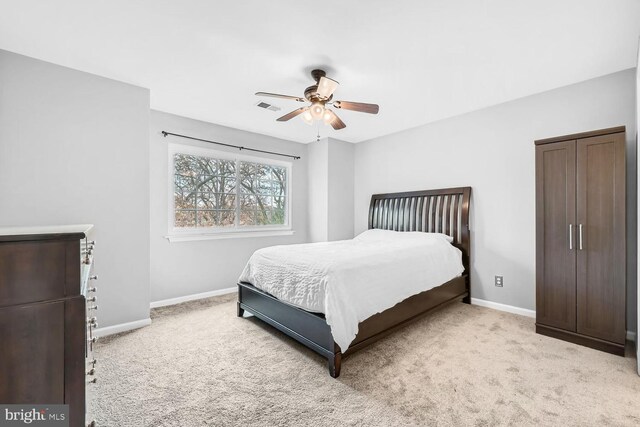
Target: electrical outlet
499,280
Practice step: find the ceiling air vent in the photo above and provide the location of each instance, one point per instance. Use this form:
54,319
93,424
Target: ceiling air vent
267,106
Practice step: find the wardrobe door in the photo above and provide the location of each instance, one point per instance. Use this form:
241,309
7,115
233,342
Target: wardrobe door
555,235
601,259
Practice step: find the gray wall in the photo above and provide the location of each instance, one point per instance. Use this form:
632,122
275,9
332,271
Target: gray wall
330,190
492,150
318,190
340,189
188,268
74,149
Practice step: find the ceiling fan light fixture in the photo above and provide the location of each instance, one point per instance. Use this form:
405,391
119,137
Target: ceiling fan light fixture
328,116
307,117
317,110
326,87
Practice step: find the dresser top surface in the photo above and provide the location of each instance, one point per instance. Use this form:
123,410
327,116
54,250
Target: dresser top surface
47,232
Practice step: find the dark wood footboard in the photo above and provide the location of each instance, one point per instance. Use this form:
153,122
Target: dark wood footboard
307,328
311,329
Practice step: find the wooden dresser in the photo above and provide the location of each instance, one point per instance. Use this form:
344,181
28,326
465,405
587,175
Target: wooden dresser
46,324
581,239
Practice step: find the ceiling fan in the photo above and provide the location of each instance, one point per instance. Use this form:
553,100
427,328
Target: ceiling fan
320,96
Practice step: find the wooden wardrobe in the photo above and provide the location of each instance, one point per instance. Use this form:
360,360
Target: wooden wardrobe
581,239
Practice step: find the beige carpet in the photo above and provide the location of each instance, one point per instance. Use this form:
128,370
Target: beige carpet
200,365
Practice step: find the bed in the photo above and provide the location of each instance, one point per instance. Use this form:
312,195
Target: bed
443,211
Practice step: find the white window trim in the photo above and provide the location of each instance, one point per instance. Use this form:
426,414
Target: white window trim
182,234
220,236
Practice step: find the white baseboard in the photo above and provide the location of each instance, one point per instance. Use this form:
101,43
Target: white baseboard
631,336
193,297
122,327
503,307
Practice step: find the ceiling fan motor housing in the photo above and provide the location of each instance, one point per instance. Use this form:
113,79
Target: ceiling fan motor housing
311,93
317,74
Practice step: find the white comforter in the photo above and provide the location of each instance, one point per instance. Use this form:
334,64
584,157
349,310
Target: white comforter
351,280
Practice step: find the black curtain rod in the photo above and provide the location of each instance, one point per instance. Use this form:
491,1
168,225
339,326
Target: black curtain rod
230,145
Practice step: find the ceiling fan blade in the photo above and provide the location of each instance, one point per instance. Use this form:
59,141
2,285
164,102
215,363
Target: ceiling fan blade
336,123
292,114
357,106
326,87
277,95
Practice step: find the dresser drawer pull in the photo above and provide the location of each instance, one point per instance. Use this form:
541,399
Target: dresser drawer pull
92,424
94,277
91,372
92,290
92,381
92,299
92,307
92,340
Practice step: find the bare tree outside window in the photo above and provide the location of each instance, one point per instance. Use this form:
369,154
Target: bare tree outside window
214,193
262,192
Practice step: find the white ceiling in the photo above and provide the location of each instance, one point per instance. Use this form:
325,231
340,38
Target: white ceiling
421,60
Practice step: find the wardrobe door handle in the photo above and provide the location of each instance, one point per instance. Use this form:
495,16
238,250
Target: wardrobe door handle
570,236
580,236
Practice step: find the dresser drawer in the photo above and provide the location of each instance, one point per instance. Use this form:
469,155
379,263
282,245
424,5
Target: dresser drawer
38,271
32,353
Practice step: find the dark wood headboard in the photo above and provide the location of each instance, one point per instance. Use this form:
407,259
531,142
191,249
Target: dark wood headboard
435,211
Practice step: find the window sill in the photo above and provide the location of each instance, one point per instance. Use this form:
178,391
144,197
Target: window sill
173,238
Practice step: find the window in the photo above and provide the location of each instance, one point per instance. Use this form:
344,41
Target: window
214,192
